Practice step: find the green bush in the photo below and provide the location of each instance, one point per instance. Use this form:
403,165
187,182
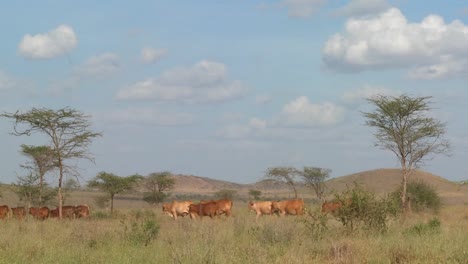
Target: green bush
432,227
141,232
422,196
316,223
364,210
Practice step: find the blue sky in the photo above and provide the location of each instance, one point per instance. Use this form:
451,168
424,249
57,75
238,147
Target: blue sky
226,89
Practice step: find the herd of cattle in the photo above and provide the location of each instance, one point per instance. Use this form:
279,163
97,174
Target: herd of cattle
175,209
213,208
42,213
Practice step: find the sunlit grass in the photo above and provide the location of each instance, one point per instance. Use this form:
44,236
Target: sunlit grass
230,240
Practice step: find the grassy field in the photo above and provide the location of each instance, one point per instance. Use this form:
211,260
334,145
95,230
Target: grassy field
148,236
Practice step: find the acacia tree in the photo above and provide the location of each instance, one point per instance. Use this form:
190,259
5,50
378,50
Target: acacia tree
284,174
113,184
403,127
42,162
157,184
255,194
69,133
314,178
27,189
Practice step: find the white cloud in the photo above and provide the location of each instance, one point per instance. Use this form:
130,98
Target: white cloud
255,127
262,99
6,82
301,113
302,8
365,92
203,82
100,65
147,116
363,7
149,55
430,49
48,45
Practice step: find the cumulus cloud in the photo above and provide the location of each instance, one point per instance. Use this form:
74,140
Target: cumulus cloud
236,131
147,116
206,81
149,55
6,81
99,65
302,113
430,49
356,8
48,45
262,99
302,8
366,92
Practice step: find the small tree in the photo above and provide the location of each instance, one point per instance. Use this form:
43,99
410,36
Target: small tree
43,159
69,132
71,184
225,194
113,184
27,189
403,127
284,174
314,178
157,184
255,194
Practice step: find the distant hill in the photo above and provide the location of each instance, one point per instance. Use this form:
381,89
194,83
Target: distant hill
380,181
387,180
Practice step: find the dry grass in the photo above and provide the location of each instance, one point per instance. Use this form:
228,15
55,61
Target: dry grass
234,240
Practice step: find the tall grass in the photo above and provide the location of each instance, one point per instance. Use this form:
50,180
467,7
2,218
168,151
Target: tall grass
147,236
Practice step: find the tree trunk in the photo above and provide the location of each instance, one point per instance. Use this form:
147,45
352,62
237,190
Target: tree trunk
41,184
60,196
112,203
295,191
404,195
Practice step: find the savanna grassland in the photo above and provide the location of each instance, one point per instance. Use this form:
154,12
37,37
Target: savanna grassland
148,236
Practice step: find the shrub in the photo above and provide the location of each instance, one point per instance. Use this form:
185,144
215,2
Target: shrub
141,232
432,227
422,196
316,223
363,210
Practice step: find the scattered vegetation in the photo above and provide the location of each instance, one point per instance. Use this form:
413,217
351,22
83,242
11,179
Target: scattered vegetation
364,210
431,227
422,196
157,185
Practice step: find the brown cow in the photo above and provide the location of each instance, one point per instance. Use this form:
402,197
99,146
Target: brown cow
261,208
68,211
210,209
4,211
176,208
224,207
331,207
39,213
290,207
18,212
82,211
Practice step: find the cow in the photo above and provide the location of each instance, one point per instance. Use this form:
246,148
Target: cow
39,213
82,211
334,206
4,211
331,207
224,207
18,212
260,208
210,209
68,211
288,207
176,208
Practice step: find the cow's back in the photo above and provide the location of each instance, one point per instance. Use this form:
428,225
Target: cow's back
4,211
